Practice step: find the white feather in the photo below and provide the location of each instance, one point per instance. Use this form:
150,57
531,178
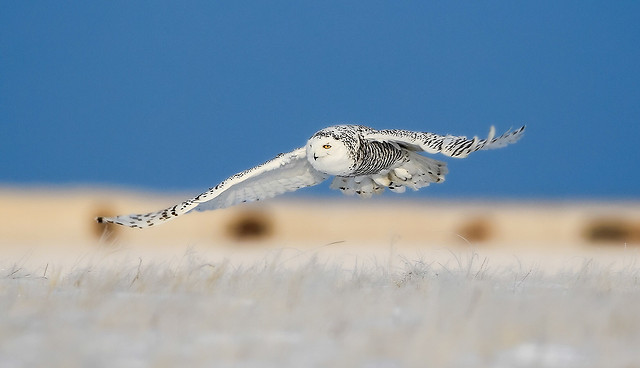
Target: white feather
332,151
285,173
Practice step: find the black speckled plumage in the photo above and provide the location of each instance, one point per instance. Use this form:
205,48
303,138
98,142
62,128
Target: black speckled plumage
377,159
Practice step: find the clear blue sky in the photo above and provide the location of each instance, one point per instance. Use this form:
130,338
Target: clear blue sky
179,95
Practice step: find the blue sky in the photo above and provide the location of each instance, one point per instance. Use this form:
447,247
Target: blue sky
176,96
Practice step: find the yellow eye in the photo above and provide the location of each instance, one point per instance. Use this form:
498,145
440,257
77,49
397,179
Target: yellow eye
326,146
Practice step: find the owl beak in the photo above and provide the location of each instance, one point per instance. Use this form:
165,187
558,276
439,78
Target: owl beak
315,158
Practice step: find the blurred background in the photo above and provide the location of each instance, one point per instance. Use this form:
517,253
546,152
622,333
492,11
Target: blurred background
117,107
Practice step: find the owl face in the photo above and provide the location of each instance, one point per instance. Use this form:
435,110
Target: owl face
329,155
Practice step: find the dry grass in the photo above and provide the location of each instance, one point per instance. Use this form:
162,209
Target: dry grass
460,312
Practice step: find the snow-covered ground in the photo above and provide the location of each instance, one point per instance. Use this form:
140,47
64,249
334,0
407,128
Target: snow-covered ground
461,309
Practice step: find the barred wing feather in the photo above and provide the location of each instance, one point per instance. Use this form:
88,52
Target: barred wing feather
448,145
284,173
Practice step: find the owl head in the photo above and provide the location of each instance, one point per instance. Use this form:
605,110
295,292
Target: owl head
329,154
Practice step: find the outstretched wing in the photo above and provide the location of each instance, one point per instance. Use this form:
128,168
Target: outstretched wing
449,145
284,173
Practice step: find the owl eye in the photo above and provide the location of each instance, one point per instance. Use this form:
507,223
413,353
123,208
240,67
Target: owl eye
326,146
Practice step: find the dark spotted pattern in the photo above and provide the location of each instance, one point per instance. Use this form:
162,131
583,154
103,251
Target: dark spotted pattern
260,182
374,157
369,157
372,152
449,145
351,135
375,150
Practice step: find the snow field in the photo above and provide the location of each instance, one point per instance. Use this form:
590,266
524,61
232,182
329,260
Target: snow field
463,311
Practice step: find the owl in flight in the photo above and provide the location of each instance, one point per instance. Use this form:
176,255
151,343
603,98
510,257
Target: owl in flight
363,160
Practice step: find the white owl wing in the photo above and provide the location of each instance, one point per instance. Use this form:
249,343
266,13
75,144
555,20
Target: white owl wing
449,145
286,172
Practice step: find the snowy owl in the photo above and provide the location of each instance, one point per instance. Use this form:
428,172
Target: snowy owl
363,160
